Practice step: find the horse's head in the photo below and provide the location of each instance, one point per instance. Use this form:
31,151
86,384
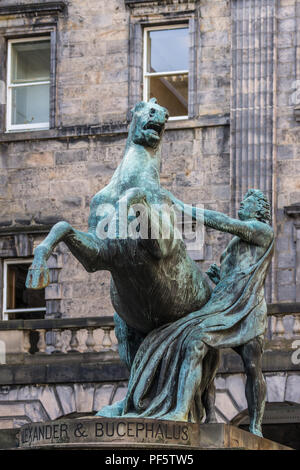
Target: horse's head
148,123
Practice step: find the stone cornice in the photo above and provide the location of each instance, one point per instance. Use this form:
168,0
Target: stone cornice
39,9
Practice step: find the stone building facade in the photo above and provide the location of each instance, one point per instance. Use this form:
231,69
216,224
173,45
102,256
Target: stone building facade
241,132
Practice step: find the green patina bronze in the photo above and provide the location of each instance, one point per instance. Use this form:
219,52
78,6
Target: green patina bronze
170,324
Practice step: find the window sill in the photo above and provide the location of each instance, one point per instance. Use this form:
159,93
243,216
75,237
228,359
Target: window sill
109,129
21,135
203,121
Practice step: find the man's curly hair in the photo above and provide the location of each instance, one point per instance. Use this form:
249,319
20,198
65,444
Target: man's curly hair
264,211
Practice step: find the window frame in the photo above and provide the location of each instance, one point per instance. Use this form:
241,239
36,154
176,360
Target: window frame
5,310
9,87
147,75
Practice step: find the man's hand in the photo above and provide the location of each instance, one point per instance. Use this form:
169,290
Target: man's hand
214,273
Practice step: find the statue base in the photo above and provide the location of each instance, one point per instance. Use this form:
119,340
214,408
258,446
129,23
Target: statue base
137,433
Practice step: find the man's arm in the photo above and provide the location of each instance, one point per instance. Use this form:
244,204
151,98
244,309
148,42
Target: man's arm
252,231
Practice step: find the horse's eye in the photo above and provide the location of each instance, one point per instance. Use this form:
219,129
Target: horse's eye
152,111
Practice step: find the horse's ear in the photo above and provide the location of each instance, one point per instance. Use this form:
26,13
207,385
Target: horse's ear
153,100
138,107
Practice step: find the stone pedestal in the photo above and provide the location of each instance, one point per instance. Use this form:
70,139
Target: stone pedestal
127,433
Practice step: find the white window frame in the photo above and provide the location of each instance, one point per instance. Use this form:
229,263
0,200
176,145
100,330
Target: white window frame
7,311
147,75
22,127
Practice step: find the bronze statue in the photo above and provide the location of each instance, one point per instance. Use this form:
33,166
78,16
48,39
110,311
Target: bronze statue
170,325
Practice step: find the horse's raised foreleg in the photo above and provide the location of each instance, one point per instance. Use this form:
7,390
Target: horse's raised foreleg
84,246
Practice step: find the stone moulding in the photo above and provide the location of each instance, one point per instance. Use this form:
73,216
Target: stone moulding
132,3
33,9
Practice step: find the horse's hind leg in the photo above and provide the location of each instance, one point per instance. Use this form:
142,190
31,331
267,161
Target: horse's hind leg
129,340
84,246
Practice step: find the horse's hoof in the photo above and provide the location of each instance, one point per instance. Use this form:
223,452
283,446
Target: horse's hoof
38,278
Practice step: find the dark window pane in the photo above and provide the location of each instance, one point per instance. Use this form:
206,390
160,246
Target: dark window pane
168,50
17,295
171,92
30,61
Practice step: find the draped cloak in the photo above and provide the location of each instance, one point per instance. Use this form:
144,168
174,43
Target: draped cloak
235,313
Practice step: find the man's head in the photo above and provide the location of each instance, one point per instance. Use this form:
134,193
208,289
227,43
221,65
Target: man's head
148,123
255,205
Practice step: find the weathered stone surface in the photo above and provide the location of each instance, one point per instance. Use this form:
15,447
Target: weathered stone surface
8,438
235,384
276,387
293,389
103,396
84,396
225,404
120,394
67,398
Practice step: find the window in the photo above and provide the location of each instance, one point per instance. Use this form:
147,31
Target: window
166,68
28,84
19,302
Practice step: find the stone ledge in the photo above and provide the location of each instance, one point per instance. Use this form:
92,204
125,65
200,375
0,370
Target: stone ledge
9,229
34,9
284,308
63,372
109,130
273,361
132,3
86,367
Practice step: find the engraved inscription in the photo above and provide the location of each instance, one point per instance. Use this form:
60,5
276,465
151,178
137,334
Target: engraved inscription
103,430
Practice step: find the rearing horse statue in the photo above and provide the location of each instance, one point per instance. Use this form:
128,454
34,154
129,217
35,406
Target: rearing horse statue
153,280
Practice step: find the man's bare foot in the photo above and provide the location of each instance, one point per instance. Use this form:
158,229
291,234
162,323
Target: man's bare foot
211,418
256,430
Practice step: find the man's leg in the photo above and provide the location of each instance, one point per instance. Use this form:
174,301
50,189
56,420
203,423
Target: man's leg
209,395
251,354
